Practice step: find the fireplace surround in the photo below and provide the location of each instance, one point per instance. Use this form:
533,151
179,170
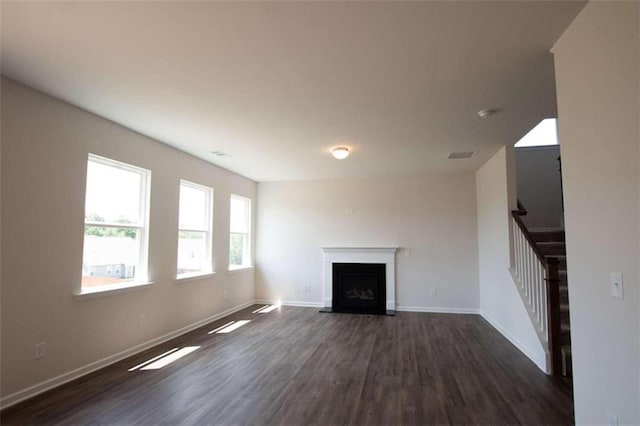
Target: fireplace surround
360,255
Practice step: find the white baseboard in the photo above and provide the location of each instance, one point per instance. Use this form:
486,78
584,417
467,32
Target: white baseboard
437,310
41,387
398,308
290,303
540,363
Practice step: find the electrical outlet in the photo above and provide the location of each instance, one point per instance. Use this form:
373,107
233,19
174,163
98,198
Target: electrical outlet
612,419
434,292
225,294
38,351
142,320
306,288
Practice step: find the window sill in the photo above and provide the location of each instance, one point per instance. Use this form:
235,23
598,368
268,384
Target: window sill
238,269
111,290
192,277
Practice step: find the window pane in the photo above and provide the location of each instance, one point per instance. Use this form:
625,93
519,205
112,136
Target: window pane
113,194
193,208
192,253
111,255
239,215
237,249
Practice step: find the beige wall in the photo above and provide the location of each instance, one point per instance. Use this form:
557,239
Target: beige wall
539,185
597,84
45,143
431,218
500,302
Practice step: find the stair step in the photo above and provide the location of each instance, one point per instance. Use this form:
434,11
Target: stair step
562,262
552,248
564,297
547,235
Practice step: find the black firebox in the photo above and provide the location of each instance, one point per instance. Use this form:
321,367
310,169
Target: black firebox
359,288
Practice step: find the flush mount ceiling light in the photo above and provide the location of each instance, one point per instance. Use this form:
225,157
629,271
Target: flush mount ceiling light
340,152
486,113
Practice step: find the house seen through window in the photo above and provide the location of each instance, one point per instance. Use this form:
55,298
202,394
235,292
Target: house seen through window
115,224
194,233
240,230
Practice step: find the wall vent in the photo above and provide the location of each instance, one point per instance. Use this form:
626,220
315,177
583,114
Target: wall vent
459,155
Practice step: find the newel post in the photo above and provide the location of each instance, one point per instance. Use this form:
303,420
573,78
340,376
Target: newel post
553,308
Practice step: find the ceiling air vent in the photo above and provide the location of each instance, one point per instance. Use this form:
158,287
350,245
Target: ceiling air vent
459,155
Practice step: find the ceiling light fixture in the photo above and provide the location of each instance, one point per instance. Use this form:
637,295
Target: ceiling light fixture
340,152
486,113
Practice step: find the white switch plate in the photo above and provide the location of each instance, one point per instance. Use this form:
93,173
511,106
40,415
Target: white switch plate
617,289
612,419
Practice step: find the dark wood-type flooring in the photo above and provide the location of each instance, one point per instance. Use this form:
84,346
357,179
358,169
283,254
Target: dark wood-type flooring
297,366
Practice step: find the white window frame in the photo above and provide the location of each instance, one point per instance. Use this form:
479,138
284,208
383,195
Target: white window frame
247,248
142,226
208,232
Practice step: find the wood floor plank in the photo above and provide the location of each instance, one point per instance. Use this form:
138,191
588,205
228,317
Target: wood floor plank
296,366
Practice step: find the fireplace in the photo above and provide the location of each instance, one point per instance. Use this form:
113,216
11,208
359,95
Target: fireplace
360,284
359,288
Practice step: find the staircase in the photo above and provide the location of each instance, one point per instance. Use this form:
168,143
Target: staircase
551,244
540,274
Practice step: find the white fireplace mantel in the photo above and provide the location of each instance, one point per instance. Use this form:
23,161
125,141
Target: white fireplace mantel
385,255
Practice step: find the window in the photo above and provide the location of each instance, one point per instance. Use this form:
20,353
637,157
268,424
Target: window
115,224
194,229
240,228
545,133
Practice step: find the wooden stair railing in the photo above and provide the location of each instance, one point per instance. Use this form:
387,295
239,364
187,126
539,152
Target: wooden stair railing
538,280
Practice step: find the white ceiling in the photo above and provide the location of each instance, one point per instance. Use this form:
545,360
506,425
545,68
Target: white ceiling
276,85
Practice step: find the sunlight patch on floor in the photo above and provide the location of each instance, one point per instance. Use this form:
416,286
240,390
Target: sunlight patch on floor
152,359
232,327
267,309
221,327
162,362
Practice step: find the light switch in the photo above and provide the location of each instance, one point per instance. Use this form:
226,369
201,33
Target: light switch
616,285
